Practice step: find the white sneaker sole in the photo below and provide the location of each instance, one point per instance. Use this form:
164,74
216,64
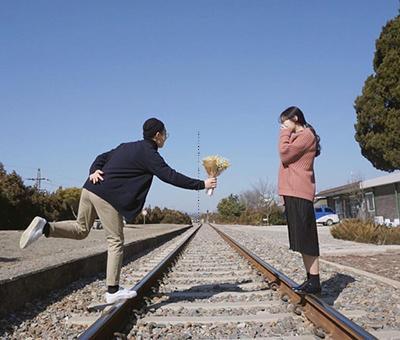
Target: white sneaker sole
37,222
112,299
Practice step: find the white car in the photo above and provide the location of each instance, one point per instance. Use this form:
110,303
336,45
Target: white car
326,216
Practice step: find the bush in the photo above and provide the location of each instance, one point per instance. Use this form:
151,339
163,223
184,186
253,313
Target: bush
365,232
277,217
20,203
165,216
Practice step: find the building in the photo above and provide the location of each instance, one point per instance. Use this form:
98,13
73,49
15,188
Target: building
377,198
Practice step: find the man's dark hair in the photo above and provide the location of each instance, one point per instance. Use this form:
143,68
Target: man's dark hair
151,127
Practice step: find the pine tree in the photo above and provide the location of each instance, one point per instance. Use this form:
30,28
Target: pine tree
378,107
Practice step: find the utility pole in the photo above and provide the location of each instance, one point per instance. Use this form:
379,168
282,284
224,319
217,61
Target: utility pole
198,175
38,180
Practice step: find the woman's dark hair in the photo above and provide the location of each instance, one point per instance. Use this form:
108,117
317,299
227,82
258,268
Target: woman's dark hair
294,111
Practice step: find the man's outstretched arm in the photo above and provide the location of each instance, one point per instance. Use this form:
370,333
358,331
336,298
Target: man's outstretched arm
158,167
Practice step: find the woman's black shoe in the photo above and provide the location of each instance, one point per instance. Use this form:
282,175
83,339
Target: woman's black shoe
301,286
308,287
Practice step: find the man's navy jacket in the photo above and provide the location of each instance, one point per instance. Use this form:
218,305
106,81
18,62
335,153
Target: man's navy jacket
128,174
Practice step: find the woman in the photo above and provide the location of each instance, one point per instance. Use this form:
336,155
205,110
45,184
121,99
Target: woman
298,146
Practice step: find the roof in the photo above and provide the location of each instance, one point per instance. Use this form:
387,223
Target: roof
343,189
383,180
351,187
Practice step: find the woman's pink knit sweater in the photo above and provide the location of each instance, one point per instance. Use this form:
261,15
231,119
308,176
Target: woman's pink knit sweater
296,172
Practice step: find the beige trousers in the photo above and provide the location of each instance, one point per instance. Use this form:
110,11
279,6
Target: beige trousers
91,206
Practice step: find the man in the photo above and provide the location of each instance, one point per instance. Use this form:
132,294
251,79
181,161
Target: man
117,187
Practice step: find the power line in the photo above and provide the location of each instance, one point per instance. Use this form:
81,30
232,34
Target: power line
38,180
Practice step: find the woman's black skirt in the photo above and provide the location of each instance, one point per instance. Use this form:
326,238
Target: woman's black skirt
302,226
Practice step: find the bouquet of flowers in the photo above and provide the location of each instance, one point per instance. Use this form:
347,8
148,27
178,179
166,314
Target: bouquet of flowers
214,166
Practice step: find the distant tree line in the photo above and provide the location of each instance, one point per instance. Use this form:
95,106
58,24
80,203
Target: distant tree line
20,203
157,215
257,206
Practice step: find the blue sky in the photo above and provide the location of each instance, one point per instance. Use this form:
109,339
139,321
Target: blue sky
79,77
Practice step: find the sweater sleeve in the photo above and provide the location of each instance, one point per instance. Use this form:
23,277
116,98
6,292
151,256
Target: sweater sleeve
158,167
100,161
292,151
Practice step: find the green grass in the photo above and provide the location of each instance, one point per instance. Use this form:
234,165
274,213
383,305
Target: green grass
365,232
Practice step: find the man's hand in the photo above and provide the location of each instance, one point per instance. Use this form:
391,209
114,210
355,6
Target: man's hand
96,176
210,183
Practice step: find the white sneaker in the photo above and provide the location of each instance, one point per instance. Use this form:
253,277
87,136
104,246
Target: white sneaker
33,232
121,294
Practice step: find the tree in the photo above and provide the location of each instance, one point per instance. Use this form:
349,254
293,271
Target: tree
378,107
277,216
255,206
20,203
15,205
356,194
175,217
69,202
45,204
260,202
230,208
156,216
3,198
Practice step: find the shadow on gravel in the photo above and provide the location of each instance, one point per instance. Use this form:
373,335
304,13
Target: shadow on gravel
200,292
333,287
9,259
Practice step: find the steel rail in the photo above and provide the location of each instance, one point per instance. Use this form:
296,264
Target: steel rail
117,316
317,311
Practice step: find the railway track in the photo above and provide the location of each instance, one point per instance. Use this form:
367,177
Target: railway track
200,285
218,290
67,312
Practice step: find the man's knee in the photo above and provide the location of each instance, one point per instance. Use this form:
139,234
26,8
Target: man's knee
116,243
82,233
